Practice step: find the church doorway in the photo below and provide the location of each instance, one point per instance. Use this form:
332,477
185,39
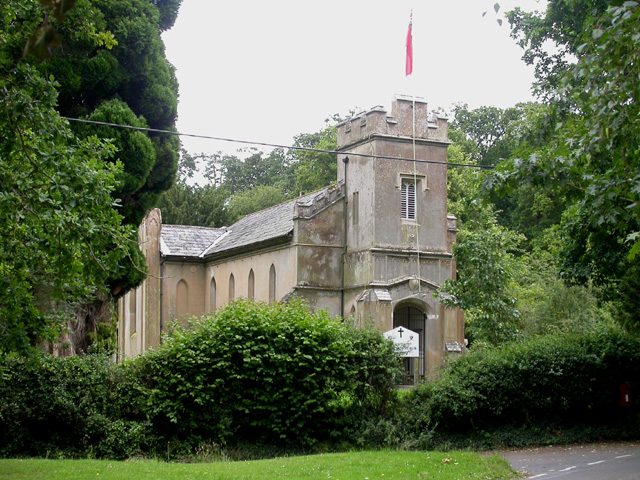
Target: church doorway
414,319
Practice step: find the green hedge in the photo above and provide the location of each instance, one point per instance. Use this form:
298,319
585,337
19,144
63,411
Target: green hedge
280,375
264,373
76,406
554,381
267,374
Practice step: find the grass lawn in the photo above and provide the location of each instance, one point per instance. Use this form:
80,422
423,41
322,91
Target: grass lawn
378,465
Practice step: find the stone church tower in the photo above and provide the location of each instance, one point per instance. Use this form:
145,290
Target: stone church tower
373,247
399,236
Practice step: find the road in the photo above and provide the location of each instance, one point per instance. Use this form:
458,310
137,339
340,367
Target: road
605,461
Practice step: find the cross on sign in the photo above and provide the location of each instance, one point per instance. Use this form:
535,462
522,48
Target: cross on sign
408,345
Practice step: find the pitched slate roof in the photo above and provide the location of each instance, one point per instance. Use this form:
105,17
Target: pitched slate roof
187,241
269,224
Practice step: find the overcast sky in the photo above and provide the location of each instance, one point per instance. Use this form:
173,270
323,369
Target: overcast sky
265,71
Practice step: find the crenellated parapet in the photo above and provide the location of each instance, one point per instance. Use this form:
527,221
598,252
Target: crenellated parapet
400,123
315,204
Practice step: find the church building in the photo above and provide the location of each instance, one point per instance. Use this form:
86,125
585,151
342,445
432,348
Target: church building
374,246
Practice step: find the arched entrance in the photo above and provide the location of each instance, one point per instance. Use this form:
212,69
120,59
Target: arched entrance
411,317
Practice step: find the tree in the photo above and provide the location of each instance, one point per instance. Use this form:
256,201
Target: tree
253,200
62,242
591,84
566,25
105,50
257,169
485,258
111,66
200,205
487,131
135,72
314,170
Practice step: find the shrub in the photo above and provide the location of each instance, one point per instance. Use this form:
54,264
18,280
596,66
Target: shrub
553,381
76,406
266,373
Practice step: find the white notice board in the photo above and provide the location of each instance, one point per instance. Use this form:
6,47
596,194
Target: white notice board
406,340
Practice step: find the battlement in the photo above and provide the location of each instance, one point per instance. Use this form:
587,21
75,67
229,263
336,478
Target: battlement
400,123
315,204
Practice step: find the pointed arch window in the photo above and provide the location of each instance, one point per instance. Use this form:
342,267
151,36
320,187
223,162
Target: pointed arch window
408,202
251,287
232,288
132,312
212,295
182,300
272,284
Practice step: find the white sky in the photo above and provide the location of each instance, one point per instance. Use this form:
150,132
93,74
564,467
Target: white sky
267,70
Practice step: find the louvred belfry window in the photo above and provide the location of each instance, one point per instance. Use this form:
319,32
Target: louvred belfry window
408,203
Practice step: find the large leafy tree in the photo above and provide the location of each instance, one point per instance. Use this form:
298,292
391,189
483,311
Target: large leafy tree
133,72
200,205
65,250
486,132
590,80
484,255
62,242
489,136
315,169
256,169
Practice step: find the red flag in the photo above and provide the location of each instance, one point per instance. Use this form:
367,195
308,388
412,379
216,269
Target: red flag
409,65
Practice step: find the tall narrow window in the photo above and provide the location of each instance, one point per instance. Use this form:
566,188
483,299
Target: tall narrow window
251,288
232,288
212,295
356,207
272,284
182,300
408,202
132,312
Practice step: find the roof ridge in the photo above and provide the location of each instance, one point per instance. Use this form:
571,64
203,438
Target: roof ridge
193,226
291,200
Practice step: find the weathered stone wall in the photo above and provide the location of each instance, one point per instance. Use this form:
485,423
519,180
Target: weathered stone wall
139,309
283,260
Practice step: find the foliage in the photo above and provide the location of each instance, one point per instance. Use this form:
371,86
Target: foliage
135,152
135,72
277,375
484,254
491,136
550,382
252,183
268,373
61,239
482,287
253,200
109,50
564,24
314,170
486,132
257,169
63,207
75,406
200,205
550,306
374,370
593,161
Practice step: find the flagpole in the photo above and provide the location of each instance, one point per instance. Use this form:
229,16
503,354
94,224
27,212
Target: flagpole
408,72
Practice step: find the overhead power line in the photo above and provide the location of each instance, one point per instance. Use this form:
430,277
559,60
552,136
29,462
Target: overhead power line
287,147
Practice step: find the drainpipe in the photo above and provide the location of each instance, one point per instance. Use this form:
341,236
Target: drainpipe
345,160
162,260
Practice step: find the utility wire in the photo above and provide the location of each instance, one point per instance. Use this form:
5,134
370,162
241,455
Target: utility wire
287,147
